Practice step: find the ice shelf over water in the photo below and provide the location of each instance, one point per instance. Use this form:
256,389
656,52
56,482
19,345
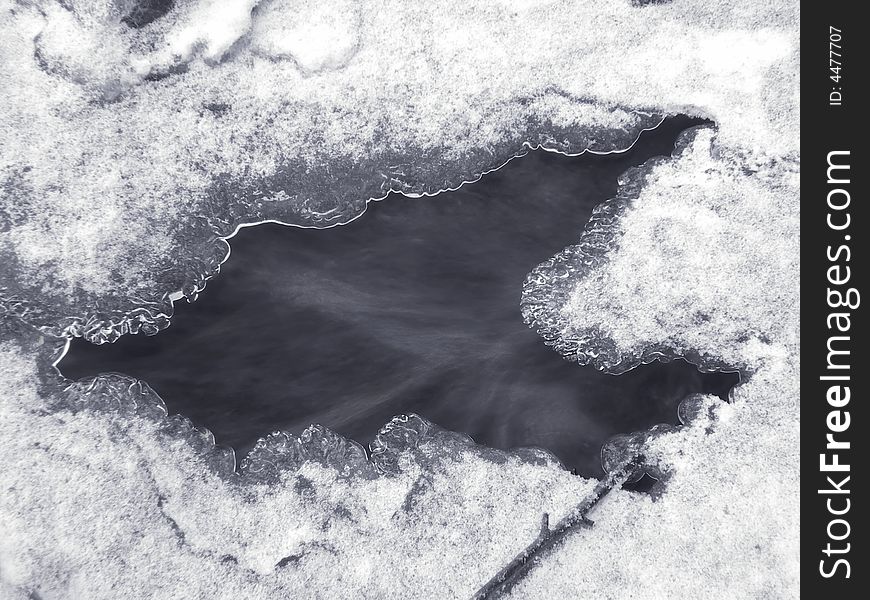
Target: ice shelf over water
132,141
129,151
697,257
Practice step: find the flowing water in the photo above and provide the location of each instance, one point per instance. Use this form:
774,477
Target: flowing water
413,307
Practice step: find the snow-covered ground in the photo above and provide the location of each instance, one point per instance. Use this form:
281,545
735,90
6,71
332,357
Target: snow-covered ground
702,263
128,153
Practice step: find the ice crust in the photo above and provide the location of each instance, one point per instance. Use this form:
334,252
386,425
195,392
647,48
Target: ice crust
106,497
707,194
129,152
698,257
133,140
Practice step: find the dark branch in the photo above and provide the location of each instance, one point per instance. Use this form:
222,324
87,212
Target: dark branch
548,538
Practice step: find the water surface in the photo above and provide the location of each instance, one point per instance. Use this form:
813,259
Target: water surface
412,307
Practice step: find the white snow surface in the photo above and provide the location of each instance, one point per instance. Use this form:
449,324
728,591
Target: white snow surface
704,263
127,152
114,144
100,505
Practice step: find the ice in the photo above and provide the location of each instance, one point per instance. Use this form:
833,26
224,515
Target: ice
697,257
129,152
106,492
713,304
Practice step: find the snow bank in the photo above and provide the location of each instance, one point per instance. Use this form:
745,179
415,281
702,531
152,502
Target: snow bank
697,257
103,491
128,152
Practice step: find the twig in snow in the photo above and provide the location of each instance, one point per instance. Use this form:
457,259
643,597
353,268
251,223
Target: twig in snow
548,538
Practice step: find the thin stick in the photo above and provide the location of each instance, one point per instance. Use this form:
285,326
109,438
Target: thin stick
548,538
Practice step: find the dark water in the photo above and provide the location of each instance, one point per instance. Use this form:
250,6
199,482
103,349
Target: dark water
412,307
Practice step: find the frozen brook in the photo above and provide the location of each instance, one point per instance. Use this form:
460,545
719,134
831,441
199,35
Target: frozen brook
136,136
413,307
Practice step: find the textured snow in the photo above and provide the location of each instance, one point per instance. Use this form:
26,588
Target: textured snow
702,262
128,152
112,495
724,226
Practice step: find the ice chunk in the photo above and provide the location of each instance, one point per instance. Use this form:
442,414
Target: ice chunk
280,452
705,195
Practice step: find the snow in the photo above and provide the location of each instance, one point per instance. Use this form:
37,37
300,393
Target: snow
702,262
128,153
135,150
111,494
720,285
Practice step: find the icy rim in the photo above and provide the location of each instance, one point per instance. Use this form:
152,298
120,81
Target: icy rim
204,247
279,452
405,439
550,285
